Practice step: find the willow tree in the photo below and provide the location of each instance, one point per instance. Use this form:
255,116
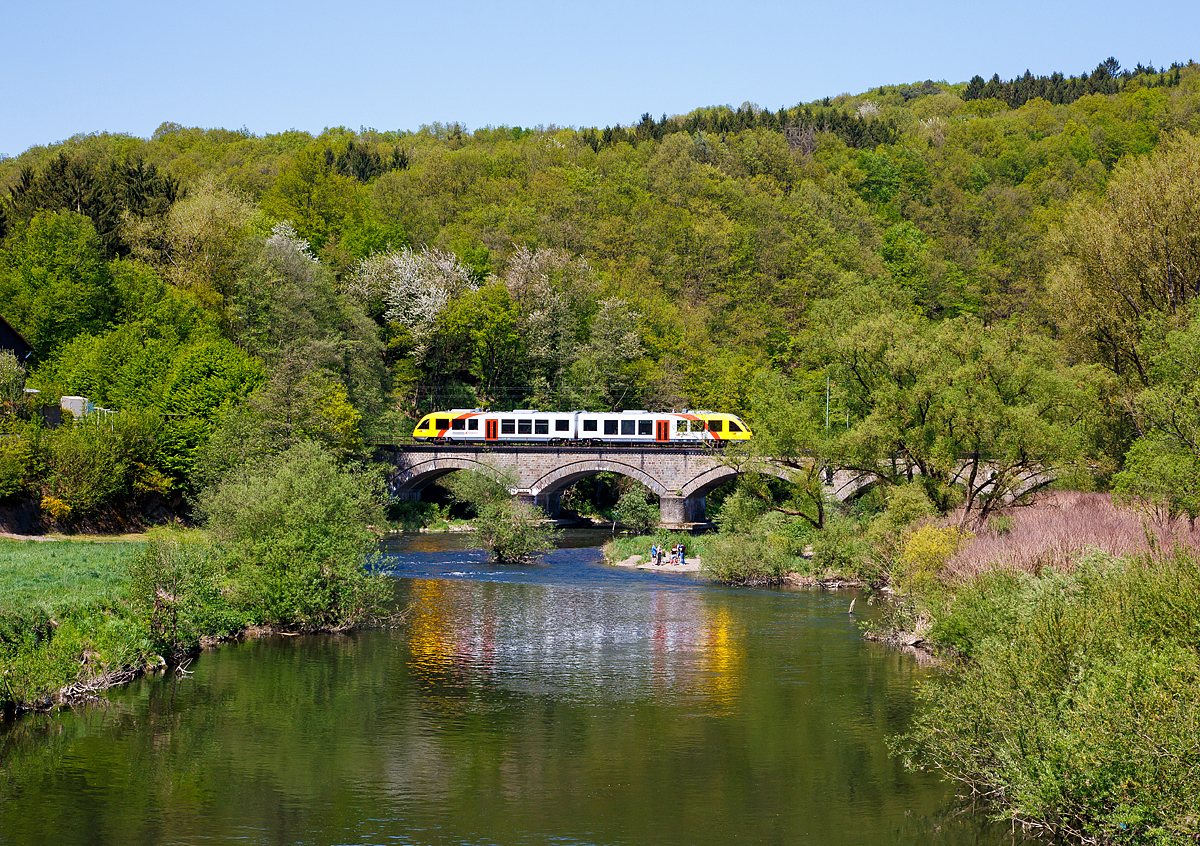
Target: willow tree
1132,257
978,414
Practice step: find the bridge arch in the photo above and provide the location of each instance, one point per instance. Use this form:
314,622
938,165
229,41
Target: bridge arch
568,474
417,476
704,483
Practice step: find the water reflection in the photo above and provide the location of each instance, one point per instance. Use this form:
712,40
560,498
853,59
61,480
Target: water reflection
583,646
561,703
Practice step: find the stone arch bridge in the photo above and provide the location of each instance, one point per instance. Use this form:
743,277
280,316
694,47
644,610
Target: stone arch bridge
681,477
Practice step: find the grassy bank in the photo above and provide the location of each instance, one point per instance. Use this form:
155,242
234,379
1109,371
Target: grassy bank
622,547
1072,697
287,547
65,617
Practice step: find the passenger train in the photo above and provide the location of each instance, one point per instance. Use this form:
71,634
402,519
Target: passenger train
560,427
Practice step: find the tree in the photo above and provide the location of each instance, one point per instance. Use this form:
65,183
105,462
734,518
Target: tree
484,324
976,413
54,283
200,243
297,531
606,373
513,532
414,287
1162,467
312,193
1133,256
634,510
787,432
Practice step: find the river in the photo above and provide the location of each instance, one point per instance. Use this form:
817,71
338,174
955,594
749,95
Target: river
561,703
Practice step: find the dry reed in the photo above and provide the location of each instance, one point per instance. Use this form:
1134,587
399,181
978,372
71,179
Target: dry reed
1054,532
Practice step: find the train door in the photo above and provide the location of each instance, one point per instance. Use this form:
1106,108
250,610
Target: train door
490,428
662,430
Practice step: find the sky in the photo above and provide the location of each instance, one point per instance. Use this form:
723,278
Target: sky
80,67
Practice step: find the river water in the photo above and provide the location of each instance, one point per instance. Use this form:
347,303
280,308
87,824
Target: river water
555,704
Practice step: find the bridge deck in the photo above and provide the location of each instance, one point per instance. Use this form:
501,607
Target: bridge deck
575,448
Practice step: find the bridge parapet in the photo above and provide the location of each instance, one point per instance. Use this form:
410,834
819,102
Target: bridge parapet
681,477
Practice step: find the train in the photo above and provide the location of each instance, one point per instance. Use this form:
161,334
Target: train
595,428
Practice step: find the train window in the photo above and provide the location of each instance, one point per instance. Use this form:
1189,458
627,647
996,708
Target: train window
562,425
680,425
458,425
473,424
424,425
589,425
627,427
524,427
645,427
716,425
610,427
541,427
733,427
443,423
508,427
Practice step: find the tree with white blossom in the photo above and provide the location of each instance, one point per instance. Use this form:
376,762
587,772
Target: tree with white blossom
413,287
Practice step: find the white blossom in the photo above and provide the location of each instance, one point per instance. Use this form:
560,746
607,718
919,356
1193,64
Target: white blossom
416,287
285,240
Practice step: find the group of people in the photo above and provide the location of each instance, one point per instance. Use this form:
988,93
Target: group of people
657,552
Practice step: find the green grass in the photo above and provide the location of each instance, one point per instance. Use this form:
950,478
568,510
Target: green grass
620,548
64,615
54,574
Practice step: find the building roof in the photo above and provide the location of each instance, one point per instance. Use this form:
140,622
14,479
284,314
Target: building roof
14,341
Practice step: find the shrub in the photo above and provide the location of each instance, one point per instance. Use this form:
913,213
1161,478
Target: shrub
96,461
176,587
511,531
635,511
837,548
1081,707
297,531
745,560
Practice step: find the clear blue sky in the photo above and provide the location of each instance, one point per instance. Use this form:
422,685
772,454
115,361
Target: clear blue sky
72,66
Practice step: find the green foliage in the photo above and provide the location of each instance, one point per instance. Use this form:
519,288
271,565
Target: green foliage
745,560
175,585
1081,704
62,616
296,532
54,283
838,549
511,531
634,510
101,460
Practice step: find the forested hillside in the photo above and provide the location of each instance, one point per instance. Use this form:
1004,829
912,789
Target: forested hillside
1000,269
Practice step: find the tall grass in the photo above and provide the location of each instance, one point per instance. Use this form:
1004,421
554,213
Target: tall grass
1055,533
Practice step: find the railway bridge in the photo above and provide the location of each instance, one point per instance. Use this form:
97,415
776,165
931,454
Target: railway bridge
680,476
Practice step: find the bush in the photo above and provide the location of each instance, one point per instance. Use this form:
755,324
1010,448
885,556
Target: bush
97,461
176,588
635,511
511,531
297,532
745,560
1081,707
837,549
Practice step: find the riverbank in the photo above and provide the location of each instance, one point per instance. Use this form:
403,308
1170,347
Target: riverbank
1071,694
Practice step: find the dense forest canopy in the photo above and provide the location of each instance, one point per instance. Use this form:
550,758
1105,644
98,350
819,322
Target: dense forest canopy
245,293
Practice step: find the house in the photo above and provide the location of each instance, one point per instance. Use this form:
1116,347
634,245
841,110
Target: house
12,340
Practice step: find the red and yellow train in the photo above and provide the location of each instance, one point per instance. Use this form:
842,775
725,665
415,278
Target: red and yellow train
592,427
